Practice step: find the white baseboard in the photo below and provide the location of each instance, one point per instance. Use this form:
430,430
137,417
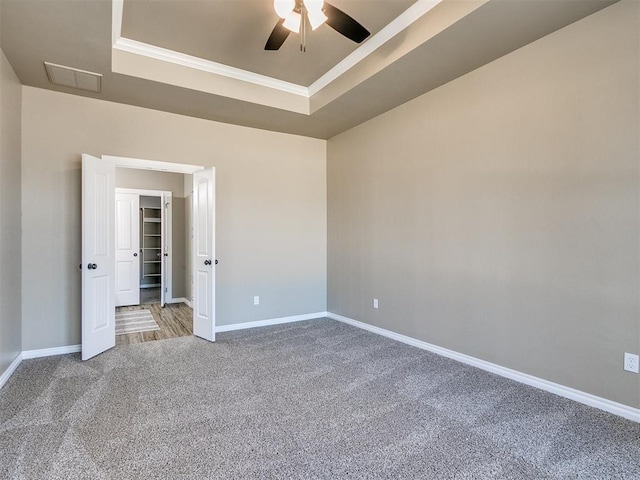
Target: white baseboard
48,352
567,392
179,300
28,354
272,321
561,390
4,378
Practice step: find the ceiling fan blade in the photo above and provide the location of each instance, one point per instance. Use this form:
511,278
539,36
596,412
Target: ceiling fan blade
277,37
344,24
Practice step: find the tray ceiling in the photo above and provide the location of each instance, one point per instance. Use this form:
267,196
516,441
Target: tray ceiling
234,32
205,58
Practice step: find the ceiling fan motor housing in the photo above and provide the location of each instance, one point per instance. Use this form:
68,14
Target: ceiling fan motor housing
295,13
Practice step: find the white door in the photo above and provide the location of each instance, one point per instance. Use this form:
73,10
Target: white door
98,223
204,308
166,291
127,249
163,247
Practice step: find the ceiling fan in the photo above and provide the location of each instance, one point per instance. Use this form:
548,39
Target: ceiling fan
294,15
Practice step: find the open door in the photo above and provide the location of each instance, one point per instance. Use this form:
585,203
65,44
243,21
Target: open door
166,290
127,274
204,308
98,225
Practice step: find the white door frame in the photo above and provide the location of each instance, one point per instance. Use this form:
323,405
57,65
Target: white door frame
142,164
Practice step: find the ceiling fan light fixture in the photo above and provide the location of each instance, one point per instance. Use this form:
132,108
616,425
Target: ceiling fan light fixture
314,5
284,7
292,22
316,18
313,13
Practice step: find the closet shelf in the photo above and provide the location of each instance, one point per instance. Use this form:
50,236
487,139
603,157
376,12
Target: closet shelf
151,239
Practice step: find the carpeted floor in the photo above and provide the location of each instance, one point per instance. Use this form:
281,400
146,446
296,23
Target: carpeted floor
315,399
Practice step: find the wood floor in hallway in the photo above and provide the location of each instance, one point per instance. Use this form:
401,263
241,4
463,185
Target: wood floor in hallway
174,320
149,295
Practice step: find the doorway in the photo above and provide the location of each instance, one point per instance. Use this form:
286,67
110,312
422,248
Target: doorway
153,301
99,256
144,244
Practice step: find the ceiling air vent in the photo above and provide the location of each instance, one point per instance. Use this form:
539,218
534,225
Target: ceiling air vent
74,78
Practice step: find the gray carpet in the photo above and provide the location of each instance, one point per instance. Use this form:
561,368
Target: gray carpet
315,399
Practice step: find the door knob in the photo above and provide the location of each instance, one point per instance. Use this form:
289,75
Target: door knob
216,261
207,262
92,266
135,254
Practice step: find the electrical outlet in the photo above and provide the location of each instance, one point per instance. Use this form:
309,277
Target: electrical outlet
375,303
256,300
631,362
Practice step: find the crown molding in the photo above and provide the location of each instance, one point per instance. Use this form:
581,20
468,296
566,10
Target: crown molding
398,25
140,48
117,10
182,59
415,12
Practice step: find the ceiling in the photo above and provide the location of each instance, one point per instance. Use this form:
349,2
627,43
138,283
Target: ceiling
205,58
234,32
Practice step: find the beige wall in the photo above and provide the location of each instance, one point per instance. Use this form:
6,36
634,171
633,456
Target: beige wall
151,180
10,232
498,215
270,208
188,203
179,249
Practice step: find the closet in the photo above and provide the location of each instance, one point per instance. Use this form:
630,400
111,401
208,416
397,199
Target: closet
142,246
151,241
